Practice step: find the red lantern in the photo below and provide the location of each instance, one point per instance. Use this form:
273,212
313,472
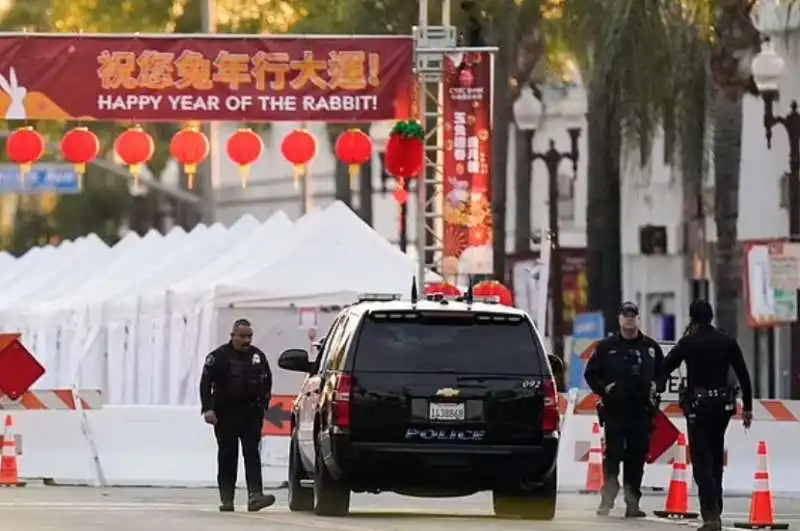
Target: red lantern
442,288
354,148
244,147
299,147
405,155
190,147
135,147
79,146
24,147
492,288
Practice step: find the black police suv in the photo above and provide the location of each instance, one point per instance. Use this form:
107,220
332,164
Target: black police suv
431,398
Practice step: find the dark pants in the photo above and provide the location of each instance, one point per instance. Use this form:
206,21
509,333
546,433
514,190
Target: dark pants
234,425
627,440
707,449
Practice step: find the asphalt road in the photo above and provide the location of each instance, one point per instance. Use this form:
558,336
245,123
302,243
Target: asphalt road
39,508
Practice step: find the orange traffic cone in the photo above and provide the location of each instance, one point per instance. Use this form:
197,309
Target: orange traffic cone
677,505
9,472
762,510
594,477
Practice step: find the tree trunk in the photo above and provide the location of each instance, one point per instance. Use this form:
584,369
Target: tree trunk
727,119
603,231
502,119
522,190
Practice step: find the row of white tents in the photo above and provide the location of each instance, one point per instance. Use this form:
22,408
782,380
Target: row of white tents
136,319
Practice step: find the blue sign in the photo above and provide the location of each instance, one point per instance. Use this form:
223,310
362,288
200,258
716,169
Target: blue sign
586,329
43,178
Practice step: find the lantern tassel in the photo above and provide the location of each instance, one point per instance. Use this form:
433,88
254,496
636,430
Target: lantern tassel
309,192
299,171
244,173
24,168
355,171
190,181
135,169
79,167
190,169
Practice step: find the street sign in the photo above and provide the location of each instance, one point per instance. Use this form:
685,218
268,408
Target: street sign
19,370
43,178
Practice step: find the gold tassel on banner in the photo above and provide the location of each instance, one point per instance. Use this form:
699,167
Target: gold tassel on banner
354,170
244,173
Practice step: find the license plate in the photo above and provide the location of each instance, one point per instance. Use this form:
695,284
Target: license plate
446,412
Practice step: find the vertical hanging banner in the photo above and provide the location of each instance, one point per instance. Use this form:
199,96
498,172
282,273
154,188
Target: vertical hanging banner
467,238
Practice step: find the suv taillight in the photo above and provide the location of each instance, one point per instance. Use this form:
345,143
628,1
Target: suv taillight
341,401
552,417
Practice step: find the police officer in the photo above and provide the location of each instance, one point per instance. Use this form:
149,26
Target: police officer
623,372
709,402
235,391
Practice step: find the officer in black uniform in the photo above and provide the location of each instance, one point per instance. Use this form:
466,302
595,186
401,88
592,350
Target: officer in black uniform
235,391
709,402
623,372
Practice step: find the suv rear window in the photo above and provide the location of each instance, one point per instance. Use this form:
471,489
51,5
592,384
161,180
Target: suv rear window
462,345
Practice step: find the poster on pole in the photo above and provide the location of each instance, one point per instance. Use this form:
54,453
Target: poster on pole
173,78
467,161
771,280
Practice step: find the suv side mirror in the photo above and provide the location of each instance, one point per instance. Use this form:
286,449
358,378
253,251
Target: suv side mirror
295,359
556,364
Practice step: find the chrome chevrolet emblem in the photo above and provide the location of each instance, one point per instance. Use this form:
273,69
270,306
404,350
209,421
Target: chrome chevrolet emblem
448,392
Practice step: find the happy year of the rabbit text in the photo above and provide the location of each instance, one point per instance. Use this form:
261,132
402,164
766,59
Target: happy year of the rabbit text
188,103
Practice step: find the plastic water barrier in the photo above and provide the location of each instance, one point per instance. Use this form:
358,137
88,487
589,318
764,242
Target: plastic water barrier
171,446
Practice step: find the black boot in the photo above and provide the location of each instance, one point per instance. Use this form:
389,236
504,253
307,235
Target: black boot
256,502
607,496
711,525
632,509
226,502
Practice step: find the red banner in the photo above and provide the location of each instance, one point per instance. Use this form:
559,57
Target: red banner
205,78
467,238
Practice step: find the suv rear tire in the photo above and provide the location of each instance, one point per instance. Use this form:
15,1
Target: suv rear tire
331,497
537,504
301,499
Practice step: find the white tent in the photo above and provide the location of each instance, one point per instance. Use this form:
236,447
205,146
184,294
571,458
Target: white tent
331,264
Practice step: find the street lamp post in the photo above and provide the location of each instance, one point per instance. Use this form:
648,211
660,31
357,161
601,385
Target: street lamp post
528,112
767,68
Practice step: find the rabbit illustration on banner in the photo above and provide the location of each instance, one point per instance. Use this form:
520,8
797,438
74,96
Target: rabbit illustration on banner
17,93
459,195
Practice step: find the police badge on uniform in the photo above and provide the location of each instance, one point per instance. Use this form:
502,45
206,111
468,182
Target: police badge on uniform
256,359
652,352
210,360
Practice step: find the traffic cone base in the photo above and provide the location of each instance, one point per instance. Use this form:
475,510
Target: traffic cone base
762,508
9,472
594,476
677,505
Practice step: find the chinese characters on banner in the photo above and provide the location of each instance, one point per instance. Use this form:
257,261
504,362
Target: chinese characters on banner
205,78
467,238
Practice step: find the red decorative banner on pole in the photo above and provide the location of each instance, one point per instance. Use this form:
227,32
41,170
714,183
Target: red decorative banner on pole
189,77
467,238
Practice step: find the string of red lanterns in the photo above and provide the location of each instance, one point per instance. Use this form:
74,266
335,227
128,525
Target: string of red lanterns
404,156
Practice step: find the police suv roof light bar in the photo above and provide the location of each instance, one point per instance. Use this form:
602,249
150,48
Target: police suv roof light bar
378,297
492,299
